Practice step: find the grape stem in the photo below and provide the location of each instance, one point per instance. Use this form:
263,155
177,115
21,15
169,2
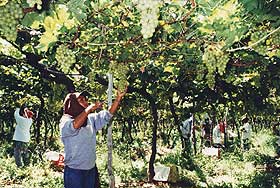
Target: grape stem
254,44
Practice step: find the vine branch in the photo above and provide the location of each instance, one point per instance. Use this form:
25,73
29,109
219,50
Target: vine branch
254,44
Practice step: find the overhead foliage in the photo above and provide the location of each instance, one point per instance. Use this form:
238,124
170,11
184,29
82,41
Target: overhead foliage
225,50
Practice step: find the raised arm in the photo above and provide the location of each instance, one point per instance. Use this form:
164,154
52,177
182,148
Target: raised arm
16,114
117,101
82,117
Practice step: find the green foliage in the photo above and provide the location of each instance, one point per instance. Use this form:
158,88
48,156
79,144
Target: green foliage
234,169
36,175
206,53
180,35
263,149
78,8
125,169
224,22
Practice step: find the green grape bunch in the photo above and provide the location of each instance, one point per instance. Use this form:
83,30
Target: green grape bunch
276,43
261,49
276,39
10,15
65,57
211,80
32,3
119,71
260,46
215,60
256,36
149,10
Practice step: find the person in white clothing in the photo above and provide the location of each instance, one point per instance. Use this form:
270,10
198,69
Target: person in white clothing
217,137
23,117
246,130
186,129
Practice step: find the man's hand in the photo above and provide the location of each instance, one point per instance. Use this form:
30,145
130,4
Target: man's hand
28,113
120,93
93,107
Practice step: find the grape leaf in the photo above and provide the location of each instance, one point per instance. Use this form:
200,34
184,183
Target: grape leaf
31,18
47,38
78,9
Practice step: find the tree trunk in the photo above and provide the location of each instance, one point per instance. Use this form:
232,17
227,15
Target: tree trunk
46,123
39,120
154,141
129,130
123,129
193,135
173,112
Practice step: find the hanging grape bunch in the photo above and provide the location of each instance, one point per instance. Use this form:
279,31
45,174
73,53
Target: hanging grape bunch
119,71
260,47
10,14
65,57
32,3
149,10
215,60
275,41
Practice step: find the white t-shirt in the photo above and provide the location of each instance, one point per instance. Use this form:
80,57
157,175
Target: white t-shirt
216,135
80,144
22,132
247,130
186,127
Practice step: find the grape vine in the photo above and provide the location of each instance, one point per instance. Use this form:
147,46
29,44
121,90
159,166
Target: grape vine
10,14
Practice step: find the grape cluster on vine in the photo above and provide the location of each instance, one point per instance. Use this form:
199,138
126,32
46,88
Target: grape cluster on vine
119,71
216,61
65,57
10,14
31,3
260,47
276,39
149,10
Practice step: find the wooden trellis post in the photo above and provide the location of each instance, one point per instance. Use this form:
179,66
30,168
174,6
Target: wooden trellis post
109,135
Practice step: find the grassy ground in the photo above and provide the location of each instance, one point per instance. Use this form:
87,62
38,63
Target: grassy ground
256,168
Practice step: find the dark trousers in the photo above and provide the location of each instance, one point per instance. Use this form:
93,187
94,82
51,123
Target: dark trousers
21,153
246,144
75,178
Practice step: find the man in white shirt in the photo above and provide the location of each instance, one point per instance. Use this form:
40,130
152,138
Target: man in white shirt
246,130
186,129
23,117
78,128
217,137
